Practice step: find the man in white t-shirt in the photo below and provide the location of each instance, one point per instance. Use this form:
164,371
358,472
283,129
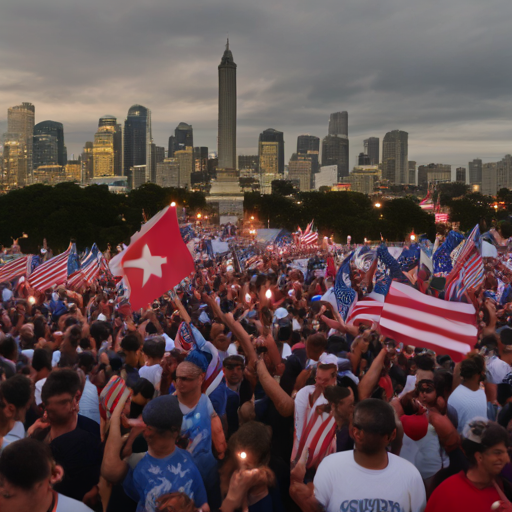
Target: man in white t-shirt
468,398
368,477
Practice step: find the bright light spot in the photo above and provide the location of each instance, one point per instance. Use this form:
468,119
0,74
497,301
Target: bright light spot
31,300
173,204
243,455
199,215
377,205
247,298
268,294
413,237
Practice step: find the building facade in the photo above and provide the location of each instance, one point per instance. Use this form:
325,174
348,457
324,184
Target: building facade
185,159
307,143
327,176
460,174
497,175
137,140
395,150
15,157
300,171
412,172
335,152
20,119
42,155
338,124
364,179
168,173
371,150
271,142
475,172
434,173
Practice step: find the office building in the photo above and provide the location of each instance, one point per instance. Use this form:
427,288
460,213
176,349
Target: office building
475,171
338,124
73,171
395,149
138,176
434,173
460,174
137,141
335,152
185,159
87,163
168,173
266,179
363,159
364,178
300,171
248,164
183,138
307,144
371,149
496,175
227,111
50,174
42,153
14,160
412,172
201,159
271,151
327,176
103,148
159,154
20,119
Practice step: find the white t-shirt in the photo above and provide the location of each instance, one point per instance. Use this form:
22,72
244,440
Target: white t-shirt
169,342
496,370
152,373
342,485
468,404
65,504
6,294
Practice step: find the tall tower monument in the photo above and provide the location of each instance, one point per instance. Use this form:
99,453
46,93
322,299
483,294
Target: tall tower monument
227,111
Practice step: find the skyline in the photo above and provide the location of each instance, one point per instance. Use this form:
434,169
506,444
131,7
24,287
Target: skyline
443,84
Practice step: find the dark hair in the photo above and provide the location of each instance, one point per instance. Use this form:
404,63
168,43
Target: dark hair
254,437
492,435
41,359
144,387
74,335
8,348
505,415
151,328
234,359
25,463
39,327
443,382
375,416
334,394
154,347
17,391
100,332
60,382
318,341
425,362
474,364
86,360
130,343
71,320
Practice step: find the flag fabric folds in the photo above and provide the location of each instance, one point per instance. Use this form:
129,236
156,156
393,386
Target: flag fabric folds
345,294
20,267
52,272
90,268
309,237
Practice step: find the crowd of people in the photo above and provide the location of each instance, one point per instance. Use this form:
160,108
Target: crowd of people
240,390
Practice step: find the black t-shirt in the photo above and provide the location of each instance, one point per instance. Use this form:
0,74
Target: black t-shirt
293,365
80,453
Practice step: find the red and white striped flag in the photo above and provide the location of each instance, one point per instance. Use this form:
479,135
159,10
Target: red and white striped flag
413,318
90,268
309,237
51,272
20,267
368,309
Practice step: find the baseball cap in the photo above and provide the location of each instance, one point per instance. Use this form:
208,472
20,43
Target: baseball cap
163,413
280,313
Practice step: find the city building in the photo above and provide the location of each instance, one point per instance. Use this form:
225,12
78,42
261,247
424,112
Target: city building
183,138
335,152
327,176
266,180
14,160
363,159
395,149
168,173
103,147
371,149
475,171
496,175
42,153
20,119
460,174
271,151
434,173
248,164
364,178
73,171
138,176
116,184
227,111
300,171
412,172
49,174
137,141
87,163
201,159
338,124
307,144
185,159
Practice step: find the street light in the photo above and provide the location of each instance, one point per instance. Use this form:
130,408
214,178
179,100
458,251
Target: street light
199,216
377,205
173,204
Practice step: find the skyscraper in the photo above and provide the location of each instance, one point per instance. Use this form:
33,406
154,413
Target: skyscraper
53,129
460,174
363,159
271,151
475,172
15,160
434,173
87,162
104,147
137,141
335,152
306,143
371,149
338,124
183,138
395,150
20,119
227,111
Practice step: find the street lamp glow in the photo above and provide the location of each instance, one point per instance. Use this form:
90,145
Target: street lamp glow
377,205
199,215
173,204
413,237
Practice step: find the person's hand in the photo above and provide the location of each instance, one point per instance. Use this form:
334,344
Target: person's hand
41,342
38,424
241,481
298,472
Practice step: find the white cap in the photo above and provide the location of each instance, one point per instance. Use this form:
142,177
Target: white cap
280,313
102,317
328,359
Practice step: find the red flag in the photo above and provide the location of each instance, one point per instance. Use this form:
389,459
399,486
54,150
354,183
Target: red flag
156,260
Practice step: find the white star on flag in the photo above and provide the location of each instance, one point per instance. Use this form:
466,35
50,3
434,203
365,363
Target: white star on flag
151,265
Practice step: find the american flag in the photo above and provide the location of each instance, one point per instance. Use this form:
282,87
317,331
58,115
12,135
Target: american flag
90,268
468,271
413,318
309,237
51,272
20,267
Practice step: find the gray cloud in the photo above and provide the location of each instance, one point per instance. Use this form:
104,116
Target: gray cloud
438,70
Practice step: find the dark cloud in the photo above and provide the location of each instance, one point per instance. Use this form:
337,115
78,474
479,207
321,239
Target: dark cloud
439,70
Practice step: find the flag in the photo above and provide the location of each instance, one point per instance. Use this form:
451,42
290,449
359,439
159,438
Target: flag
20,267
368,309
89,271
441,258
52,272
156,260
345,294
427,202
413,318
309,237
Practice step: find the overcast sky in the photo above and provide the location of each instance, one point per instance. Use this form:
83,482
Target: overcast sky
439,70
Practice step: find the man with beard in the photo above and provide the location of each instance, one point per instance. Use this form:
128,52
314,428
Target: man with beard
73,439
